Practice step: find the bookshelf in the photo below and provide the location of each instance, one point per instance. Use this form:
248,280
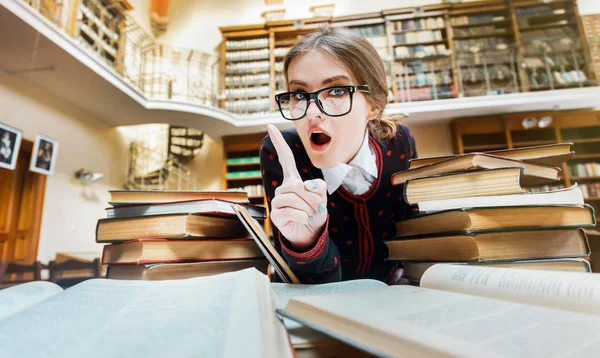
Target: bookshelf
432,52
241,168
247,73
582,128
422,54
484,45
591,26
551,34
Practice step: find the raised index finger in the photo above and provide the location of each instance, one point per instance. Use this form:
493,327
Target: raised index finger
286,157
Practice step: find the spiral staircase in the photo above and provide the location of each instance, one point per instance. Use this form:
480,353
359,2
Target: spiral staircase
155,169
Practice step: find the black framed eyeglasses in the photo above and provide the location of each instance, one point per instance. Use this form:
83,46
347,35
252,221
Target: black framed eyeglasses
332,101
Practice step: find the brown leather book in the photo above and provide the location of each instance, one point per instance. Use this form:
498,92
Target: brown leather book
178,226
501,245
160,251
470,220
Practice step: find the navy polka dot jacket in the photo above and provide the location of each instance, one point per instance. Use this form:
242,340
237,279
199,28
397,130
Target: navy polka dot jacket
351,245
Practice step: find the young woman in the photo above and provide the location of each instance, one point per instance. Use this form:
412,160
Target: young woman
328,180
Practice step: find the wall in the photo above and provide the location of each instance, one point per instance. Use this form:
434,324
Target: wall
207,166
433,141
587,7
141,14
71,209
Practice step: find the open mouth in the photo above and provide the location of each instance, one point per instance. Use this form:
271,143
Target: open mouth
319,138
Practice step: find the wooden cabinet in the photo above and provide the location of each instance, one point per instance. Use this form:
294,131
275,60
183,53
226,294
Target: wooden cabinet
22,192
582,128
479,134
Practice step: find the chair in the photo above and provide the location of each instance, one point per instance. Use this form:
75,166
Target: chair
14,273
72,272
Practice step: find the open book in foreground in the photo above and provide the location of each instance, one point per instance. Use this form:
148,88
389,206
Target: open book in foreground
464,311
227,315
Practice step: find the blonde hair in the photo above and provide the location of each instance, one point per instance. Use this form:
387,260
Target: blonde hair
362,60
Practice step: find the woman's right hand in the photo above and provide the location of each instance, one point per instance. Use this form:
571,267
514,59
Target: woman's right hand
298,209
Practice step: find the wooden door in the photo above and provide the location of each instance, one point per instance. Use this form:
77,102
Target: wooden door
22,194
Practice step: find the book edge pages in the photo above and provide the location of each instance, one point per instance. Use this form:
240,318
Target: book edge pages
473,156
259,236
427,206
332,334
214,207
407,183
495,152
274,326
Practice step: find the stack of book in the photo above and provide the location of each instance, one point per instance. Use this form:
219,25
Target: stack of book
160,235
475,209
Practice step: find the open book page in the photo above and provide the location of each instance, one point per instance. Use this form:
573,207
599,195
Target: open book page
407,321
299,334
199,317
574,291
17,298
275,341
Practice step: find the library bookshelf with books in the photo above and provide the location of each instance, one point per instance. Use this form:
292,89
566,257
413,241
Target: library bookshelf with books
484,49
247,73
516,130
241,167
551,34
431,52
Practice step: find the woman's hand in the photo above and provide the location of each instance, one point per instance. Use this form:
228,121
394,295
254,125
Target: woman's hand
298,209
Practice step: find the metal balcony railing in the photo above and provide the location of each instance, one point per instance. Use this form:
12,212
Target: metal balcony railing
115,38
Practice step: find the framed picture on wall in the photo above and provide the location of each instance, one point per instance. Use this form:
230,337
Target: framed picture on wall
10,142
43,156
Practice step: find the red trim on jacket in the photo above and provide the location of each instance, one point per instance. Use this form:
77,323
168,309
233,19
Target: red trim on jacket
312,253
360,236
366,246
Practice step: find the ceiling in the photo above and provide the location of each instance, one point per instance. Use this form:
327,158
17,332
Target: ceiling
27,40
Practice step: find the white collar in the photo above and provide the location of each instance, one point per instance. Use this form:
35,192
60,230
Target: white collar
364,160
